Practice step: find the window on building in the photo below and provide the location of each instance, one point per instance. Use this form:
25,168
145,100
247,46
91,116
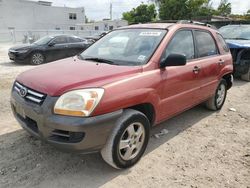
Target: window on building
96,28
82,28
72,16
58,28
111,27
72,28
205,44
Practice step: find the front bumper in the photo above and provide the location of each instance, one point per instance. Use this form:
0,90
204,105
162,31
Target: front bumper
18,57
74,134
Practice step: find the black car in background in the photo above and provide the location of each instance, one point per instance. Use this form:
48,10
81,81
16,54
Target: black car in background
49,48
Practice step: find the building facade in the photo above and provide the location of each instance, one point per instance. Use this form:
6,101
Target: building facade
39,15
104,25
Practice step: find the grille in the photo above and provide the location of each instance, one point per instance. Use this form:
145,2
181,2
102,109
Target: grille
29,94
66,136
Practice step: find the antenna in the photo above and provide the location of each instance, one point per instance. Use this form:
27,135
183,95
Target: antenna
110,11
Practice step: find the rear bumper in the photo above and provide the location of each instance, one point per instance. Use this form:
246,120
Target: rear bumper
74,134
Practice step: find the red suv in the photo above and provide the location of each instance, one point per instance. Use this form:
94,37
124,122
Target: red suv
108,98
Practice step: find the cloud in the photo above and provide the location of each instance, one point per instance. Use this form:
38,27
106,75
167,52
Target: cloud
99,9
238,6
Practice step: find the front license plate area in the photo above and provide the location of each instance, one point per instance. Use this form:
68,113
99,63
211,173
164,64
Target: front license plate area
20,111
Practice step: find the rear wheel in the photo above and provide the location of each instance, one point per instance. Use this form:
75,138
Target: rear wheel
217,100
246,76
128,140
37,58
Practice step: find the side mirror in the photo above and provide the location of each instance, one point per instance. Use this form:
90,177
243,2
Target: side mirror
52,44
174,60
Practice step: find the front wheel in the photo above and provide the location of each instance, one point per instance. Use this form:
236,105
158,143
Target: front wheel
217,100
37,58
128,141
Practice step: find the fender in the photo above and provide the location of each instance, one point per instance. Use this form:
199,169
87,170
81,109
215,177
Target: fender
228,69
129,98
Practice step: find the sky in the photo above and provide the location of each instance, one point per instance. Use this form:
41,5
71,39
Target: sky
99,9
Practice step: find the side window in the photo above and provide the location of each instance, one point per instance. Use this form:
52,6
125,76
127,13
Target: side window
181,43
205,44
60,40
222,42
74,40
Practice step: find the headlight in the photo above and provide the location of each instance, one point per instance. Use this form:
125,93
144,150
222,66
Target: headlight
22,51
78,102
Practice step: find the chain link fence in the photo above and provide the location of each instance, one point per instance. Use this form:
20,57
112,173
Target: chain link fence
24,36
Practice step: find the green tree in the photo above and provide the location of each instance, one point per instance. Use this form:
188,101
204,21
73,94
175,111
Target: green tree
200,8
224,8
173,10
141,14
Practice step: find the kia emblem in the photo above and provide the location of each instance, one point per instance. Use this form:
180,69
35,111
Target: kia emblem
23,92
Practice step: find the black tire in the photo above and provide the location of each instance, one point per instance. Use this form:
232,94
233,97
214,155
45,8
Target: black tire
112,152
37,58
215,103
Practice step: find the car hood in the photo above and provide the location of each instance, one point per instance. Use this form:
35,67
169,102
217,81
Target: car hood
238,43
22,47
61,76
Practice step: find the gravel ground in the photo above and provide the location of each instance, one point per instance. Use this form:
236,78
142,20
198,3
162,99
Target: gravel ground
201,149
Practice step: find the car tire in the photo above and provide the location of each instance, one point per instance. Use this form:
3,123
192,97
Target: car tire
246,77
37,58
128,140
217,100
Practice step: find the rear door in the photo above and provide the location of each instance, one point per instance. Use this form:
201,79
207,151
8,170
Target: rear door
75,46
181,84
211,62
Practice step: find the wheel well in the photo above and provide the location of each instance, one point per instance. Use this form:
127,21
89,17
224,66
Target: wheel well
228,78
147,109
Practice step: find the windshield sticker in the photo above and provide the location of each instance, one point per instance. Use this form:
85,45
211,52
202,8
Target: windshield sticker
141,57
103,51
150,33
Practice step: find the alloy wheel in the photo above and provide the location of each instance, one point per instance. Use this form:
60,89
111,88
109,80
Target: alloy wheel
131,141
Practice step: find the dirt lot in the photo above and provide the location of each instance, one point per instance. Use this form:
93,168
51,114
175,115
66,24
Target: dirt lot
202,149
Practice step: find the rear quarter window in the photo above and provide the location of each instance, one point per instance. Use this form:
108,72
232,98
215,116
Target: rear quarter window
222,42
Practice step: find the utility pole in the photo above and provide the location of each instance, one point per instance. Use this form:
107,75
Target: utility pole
110,11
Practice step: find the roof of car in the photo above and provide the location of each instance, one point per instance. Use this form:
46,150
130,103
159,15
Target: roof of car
150,25
63,35
168,25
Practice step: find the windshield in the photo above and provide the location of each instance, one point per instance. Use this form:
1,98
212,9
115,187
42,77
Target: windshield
126,47
240,32
43,40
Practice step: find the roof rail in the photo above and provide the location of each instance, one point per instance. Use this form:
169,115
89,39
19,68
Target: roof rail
195,22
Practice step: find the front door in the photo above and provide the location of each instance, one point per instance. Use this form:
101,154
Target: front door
181,85
59,49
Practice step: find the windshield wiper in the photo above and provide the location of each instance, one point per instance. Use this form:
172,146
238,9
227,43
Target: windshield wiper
237,38
100,60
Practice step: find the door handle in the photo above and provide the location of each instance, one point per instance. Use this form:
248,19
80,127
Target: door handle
196,70
221,62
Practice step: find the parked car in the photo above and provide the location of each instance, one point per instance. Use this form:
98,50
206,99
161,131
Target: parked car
95,38
238,40
49,48
130,80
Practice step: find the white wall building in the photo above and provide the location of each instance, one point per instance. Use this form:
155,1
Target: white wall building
105,25
38,15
